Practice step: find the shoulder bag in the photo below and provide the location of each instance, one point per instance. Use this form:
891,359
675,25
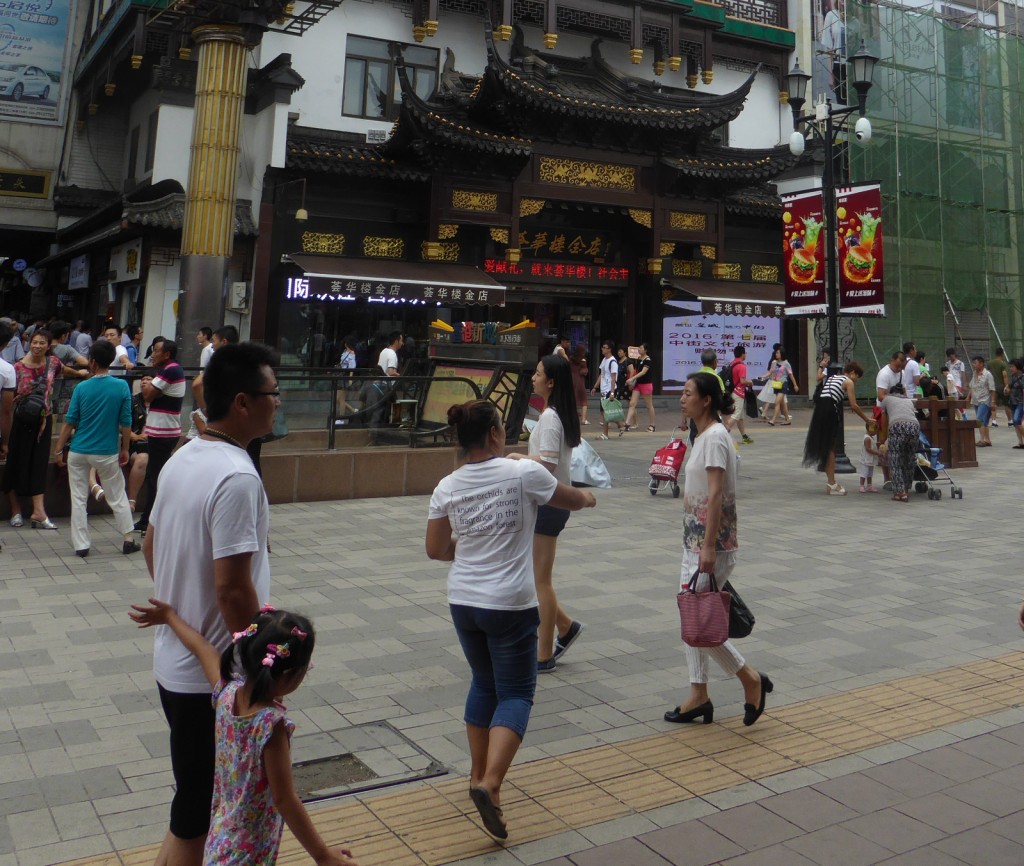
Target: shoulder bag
703,616
30,407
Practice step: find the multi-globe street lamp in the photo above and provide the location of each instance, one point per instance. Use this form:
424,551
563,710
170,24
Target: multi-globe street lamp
826,124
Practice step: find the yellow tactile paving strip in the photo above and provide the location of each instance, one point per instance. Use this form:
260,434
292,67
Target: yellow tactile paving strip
437,823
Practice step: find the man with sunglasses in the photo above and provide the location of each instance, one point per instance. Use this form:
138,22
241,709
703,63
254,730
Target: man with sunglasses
206,550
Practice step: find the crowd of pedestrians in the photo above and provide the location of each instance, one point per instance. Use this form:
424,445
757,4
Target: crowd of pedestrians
225,659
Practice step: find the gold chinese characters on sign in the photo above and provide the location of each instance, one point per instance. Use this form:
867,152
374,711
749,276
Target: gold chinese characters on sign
439,252
726,271
383,248
691,222
557,243
322,242
465,199
764,273
600,175
686,268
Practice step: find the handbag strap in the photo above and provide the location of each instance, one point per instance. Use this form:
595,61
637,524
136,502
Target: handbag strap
712,585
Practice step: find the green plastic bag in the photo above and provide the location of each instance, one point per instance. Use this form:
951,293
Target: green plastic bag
612,410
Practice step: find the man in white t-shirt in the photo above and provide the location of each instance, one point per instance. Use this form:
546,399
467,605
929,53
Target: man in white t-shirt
121,362
958,369
891,374
911,370
206,550
388,360
607,382
8,385
204,337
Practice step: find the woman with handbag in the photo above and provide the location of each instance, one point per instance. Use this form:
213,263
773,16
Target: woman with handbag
710,544
780,371
28,454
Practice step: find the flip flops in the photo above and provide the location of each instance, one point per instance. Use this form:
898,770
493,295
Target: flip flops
489,813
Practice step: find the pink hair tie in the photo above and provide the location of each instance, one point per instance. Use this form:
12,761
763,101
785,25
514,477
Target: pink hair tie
268,608
279,649
299,633
268,660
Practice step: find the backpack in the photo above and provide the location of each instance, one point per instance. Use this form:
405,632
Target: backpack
726,374
30,407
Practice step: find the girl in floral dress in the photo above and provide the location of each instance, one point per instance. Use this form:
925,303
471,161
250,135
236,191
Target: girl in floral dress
253,793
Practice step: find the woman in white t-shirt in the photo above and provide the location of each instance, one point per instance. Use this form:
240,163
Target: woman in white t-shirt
710,543
551,443
481,520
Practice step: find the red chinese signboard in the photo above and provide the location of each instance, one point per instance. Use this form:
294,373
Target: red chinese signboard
803,254
859,225
557,272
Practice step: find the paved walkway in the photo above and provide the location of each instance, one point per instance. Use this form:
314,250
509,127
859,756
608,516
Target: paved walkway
872,620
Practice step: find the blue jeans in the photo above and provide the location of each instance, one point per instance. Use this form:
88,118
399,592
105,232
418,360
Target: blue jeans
984,414
1018,415
501,648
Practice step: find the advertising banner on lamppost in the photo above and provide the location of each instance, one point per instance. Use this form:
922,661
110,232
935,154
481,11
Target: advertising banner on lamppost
859,228
803,253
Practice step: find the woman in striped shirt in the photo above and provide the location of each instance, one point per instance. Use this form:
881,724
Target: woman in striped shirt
820,447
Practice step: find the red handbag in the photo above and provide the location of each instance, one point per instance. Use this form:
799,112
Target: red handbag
704,615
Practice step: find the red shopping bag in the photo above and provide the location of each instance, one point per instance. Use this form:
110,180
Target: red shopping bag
704,615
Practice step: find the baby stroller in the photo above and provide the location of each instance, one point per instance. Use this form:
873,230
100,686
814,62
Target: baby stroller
929,472
665,466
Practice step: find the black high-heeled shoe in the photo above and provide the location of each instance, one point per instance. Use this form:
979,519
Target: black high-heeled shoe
751,713
706,711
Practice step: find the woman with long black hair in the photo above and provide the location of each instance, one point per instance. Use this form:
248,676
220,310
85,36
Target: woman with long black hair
551,443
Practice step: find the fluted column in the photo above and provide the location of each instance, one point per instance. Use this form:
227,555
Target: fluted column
208,230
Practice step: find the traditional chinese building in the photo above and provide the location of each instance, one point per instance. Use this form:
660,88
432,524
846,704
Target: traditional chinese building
588,191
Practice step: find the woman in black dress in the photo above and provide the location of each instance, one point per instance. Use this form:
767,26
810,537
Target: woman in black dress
820,446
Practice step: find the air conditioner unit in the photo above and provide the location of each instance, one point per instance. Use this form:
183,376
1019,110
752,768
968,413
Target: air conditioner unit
376,136
238,297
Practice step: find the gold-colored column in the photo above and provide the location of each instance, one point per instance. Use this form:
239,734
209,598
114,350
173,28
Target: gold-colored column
208,228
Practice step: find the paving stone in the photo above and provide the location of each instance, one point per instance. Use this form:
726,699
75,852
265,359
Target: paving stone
617,853
893,830
809,809
692,844
752,826
860,792
997,850
823,847
944,813
953,764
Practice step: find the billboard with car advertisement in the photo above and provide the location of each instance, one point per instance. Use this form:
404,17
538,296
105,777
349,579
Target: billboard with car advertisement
34,59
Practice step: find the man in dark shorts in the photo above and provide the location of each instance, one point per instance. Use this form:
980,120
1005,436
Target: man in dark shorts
206,550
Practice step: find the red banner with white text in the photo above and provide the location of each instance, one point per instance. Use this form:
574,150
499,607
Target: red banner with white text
803,253
859,227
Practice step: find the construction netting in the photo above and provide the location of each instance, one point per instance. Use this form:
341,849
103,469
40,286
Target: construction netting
947,110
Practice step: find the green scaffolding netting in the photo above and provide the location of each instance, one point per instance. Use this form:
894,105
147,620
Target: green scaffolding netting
947,110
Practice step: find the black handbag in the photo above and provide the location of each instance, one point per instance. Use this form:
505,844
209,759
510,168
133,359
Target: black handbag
741,620
30,407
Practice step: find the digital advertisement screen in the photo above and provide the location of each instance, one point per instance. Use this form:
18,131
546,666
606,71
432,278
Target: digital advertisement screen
445,392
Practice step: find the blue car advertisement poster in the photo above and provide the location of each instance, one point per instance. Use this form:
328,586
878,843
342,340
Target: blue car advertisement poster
33,59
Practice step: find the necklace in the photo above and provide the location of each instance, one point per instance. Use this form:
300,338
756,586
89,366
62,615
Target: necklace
220,434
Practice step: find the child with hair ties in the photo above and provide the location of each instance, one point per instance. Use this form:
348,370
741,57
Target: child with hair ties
253,792
869,458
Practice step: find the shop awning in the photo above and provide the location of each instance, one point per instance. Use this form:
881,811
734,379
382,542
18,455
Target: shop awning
341,279
734,298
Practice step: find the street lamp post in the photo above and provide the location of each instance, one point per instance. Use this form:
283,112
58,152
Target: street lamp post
826,123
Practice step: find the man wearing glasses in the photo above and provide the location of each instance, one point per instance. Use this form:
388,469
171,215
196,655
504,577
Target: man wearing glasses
206,550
